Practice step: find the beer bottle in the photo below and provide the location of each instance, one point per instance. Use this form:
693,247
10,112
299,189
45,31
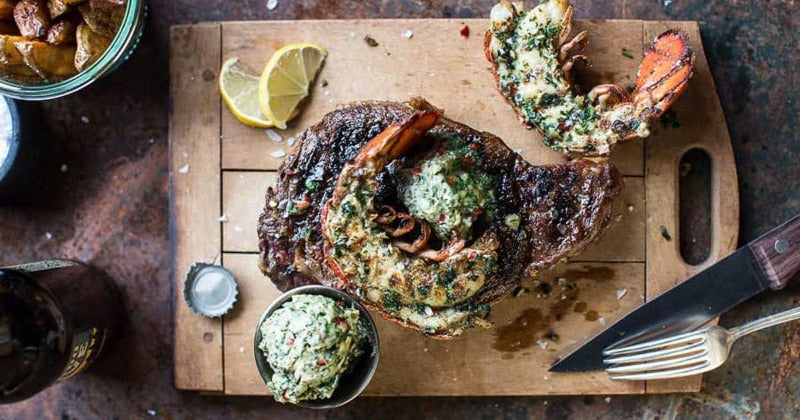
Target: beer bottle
55,319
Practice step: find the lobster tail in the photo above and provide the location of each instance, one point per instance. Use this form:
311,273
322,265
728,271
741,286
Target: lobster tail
663,74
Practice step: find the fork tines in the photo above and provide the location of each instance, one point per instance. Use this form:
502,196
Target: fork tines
670,357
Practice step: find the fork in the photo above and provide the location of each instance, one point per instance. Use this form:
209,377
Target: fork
685,354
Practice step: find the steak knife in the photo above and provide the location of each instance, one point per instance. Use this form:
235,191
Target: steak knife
768,262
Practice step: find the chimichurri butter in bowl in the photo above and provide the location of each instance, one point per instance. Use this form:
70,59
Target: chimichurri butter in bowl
316,347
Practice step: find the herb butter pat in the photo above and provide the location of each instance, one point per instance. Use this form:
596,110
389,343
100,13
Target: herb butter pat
310,342
448,190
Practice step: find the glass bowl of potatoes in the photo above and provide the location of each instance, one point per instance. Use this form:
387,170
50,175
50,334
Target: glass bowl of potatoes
52,48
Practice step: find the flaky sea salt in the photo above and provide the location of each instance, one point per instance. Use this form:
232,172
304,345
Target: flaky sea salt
48,236
290,141
543,344
224,218
184,169
64,167
278,153
621,293
408,34
273,135
272,4
601,320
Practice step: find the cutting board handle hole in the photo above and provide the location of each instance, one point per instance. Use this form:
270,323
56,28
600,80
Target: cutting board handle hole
694,175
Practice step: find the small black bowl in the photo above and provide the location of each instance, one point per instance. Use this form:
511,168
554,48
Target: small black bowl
352,382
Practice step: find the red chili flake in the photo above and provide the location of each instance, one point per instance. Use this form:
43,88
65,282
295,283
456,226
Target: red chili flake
477,213
464,31
290,172
473,146
321,362
473,255
469,159
440,151
306,197
417,171
441,217
451,180
290,341
564,127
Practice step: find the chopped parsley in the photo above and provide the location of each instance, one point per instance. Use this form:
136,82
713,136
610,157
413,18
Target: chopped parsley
626,53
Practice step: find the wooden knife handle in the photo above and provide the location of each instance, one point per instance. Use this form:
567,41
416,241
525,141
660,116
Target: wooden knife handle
778,253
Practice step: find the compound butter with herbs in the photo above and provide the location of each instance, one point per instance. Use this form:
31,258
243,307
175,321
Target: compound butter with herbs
310,342
448,190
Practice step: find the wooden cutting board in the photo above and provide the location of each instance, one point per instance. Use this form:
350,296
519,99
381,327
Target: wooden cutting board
221,167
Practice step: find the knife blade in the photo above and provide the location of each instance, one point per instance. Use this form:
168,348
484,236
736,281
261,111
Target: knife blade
767,262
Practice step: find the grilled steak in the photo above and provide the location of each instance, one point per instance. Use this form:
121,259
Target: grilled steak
560,208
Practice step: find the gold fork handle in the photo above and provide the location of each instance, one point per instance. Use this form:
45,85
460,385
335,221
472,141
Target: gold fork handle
766,322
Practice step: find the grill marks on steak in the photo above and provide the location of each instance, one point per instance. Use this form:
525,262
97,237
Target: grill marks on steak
562,208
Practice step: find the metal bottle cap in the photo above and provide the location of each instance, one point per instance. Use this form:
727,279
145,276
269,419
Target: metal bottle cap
209,290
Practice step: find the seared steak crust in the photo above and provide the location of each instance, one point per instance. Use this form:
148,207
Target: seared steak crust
562,208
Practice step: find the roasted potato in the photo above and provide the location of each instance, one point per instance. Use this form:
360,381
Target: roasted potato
6,9
18,70
55,39
31,18
48,60
57,8
91,45
103,20
107,3
9,55
63,32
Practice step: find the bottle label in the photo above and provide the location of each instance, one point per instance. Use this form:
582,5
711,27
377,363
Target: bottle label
86,346
42,266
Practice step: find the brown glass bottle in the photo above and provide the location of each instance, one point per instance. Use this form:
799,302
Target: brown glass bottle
55,319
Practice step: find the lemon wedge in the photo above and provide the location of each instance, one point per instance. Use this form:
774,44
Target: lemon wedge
286,80
238,85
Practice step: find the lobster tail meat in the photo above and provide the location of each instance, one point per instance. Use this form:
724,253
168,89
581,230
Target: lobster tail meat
531,54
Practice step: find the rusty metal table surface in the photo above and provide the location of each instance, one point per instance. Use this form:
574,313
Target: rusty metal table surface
109,203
